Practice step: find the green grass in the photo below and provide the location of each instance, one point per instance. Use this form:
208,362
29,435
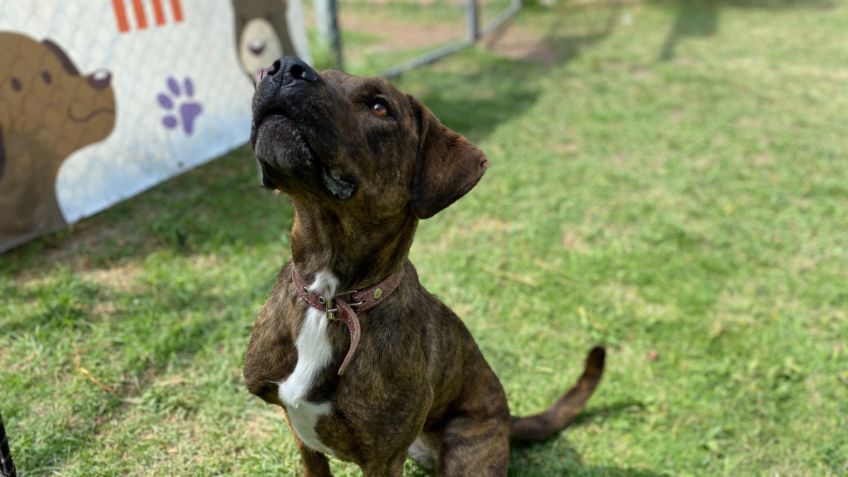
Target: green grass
675,187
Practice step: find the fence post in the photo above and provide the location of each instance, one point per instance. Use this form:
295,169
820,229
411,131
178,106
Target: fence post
326,16
472,21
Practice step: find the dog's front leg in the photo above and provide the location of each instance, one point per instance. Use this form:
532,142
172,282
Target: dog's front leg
314,463
393,468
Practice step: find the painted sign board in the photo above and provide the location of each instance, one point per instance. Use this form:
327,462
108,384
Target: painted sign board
102,99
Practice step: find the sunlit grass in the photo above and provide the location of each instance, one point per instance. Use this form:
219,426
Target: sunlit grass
669,181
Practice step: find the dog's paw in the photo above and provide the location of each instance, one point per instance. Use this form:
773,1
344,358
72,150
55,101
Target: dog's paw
179,105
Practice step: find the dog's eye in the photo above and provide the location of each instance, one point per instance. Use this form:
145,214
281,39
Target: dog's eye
379,108
45,75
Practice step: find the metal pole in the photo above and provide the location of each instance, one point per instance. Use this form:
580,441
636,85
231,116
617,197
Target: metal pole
335,34
502,17
472,21
426,59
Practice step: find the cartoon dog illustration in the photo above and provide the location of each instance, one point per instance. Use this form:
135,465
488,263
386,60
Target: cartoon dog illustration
262,33
48,110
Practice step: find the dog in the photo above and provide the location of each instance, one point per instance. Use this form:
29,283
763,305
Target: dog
368,365
48,110
262,34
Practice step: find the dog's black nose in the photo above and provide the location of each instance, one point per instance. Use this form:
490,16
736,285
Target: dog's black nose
289,69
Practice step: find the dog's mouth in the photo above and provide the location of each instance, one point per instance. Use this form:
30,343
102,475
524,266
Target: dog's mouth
282,150
275,137
272,120
275,121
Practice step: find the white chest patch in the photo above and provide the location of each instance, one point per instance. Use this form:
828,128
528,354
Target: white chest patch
313,355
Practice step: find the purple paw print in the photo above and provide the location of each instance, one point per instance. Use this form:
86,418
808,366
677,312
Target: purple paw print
179,105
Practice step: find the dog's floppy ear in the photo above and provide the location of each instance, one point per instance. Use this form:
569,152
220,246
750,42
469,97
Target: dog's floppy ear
447,166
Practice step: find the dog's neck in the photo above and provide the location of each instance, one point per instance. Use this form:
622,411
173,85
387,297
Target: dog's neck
358,254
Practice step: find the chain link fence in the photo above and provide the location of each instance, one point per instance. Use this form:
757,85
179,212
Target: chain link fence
102,100
392,37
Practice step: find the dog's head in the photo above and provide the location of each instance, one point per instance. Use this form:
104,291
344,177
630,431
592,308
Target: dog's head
356,145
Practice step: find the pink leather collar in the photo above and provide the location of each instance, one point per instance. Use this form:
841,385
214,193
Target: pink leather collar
344,306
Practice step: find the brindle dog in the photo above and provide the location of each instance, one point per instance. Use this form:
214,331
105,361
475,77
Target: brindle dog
362,164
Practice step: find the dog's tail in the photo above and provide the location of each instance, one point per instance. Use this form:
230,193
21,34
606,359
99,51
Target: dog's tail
541,426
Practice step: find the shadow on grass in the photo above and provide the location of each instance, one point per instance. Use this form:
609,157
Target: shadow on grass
536,459
558,458
219,204
152,323
700,18
603,412
173,328
494,89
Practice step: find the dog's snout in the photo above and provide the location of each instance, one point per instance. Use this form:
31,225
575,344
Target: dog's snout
287,71
274,68
291,69
296,71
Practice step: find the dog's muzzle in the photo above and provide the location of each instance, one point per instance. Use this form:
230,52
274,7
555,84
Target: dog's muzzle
286,72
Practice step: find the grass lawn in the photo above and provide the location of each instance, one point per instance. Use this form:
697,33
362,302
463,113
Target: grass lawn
668,180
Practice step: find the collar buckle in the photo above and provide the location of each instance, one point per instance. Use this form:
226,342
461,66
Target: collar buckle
337,307
331,310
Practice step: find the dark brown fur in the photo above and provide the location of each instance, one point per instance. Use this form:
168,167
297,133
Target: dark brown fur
418,371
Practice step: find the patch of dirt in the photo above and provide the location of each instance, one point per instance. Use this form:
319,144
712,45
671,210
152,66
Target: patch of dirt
401,35
206,261
72,248
488,225
105,308
567,148
264,424
762,160
571,241
520,43
121,277
396,35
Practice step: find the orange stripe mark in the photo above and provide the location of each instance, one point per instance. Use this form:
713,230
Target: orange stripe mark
140,17
121,15
178,10
158,13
